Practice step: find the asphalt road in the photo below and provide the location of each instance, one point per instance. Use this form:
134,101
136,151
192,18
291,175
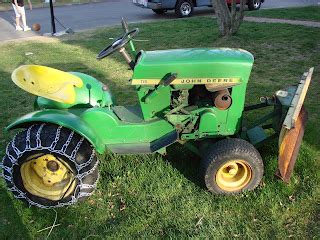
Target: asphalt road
88,16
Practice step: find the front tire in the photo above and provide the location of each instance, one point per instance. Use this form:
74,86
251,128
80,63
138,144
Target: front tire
254,4
231,166
50,166
184,8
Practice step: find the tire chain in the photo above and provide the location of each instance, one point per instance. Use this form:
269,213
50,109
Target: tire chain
79,167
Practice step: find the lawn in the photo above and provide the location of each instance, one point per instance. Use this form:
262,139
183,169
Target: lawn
149,196
310,13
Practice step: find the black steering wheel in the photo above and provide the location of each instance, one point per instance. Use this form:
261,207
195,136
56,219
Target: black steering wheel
118,43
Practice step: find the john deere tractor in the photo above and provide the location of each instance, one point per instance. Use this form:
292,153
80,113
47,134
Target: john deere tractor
194,97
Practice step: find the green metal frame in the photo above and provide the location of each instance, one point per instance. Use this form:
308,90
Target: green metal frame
258,132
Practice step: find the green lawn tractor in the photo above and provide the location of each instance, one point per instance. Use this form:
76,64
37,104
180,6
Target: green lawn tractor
193,97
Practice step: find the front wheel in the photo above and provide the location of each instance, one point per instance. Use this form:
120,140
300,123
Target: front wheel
231,166
50,166
254,4
184,8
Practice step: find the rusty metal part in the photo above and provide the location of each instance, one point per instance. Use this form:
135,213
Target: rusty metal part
289,145
222,99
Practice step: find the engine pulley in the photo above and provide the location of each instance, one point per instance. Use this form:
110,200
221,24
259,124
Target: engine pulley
222,99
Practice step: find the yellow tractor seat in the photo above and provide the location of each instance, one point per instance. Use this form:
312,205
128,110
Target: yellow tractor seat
47,82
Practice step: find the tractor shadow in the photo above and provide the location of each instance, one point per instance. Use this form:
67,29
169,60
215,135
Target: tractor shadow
189,164
186,162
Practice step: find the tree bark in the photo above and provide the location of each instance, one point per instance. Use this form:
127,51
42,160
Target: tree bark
229,21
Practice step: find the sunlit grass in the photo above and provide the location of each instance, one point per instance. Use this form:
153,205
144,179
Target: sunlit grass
310,13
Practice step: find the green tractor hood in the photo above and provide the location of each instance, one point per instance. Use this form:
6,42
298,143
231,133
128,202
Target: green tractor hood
194,63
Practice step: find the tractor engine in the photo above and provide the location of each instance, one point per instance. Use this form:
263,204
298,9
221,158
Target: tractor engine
201,96
185,101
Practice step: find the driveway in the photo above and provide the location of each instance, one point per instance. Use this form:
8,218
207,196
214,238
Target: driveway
88,16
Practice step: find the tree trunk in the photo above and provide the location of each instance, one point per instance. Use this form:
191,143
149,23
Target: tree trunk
229,21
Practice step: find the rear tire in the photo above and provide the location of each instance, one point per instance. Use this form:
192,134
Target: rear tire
231,166
184,8
159,11
254,4
50,166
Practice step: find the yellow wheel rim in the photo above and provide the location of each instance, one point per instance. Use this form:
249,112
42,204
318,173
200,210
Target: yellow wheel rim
48,177
234,175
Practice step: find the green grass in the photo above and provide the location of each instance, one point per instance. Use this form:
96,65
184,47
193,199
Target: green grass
162,196
310,13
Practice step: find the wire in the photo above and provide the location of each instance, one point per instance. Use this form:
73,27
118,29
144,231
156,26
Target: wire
60,22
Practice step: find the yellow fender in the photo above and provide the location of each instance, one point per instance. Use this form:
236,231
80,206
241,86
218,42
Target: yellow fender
47,82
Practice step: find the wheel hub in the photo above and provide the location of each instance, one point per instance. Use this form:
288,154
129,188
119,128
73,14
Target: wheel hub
233,175
52,166
256,3
48,177
185,9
